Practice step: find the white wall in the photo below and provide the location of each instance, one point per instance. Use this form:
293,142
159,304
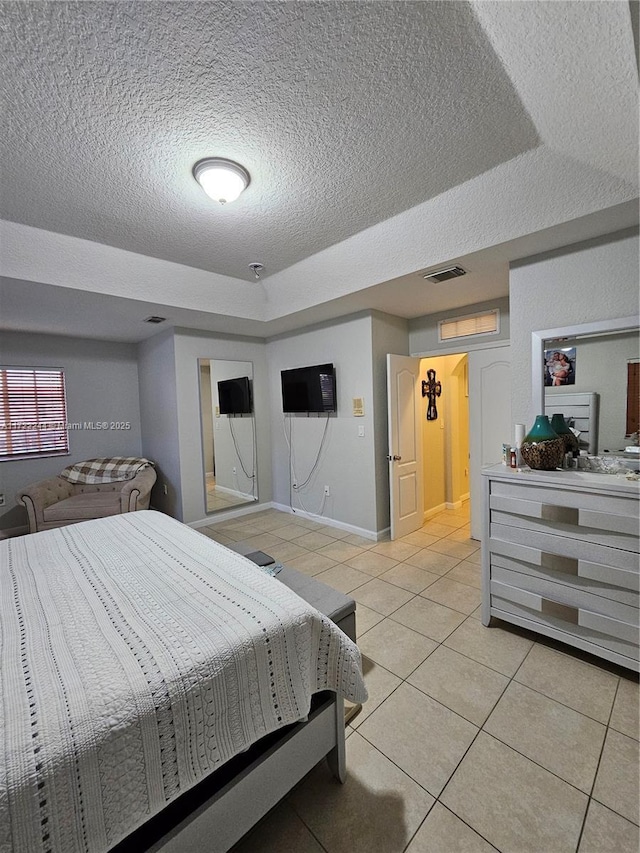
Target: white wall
347,464
101,381
159,413
190,345
589,281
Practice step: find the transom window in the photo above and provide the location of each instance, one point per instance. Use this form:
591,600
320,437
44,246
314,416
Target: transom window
33,413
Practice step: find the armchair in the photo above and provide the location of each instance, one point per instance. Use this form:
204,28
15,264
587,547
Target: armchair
56,502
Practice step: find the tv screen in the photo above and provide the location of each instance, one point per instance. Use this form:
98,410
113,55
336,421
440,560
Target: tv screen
309,389
234,396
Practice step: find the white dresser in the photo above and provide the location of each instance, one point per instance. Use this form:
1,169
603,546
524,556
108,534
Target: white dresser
560,556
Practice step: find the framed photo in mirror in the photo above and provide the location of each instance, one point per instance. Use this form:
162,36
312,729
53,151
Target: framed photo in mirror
559,366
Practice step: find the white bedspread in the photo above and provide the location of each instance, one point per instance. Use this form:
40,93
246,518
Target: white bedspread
137,656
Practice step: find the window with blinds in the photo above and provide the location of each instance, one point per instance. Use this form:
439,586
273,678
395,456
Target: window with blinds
486,323
633,397
33,416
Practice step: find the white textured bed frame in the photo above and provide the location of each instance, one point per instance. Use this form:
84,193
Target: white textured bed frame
229,813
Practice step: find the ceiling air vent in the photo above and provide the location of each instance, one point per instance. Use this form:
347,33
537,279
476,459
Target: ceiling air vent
445,274
154,319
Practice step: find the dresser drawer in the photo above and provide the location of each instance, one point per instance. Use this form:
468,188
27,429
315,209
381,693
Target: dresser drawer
574,573
564,546
618,505
604,631
571,596
617,584
602,528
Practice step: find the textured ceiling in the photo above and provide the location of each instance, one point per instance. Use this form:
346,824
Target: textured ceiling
345,114
383,139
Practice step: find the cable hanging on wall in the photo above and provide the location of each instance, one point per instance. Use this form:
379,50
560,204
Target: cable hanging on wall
251,476
294,485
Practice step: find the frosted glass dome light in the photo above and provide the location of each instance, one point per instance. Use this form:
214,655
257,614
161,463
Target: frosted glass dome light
222,180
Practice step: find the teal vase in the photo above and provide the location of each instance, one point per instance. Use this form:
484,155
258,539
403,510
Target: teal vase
542,448
560,426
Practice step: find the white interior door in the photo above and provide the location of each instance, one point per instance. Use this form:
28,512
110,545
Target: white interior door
489,419
405,445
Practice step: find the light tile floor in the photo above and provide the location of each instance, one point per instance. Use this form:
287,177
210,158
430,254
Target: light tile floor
473,738
217,500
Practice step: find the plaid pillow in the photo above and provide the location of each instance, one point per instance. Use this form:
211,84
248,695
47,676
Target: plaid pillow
105,469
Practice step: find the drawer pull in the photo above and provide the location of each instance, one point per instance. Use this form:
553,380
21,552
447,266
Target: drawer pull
561,514
559,611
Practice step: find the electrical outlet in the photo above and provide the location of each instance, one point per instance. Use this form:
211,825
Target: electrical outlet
327,491
1,500
165,489
360,431
233,470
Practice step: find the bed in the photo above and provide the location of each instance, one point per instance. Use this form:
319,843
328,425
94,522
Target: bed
138,661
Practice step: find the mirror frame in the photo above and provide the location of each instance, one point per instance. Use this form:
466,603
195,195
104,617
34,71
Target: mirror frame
538,338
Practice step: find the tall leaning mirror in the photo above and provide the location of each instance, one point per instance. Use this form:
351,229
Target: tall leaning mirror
228,433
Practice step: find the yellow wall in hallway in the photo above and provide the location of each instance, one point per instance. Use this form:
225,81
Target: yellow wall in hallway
446,440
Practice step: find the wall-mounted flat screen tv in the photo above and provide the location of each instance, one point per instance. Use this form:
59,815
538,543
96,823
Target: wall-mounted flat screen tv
309,389
234,396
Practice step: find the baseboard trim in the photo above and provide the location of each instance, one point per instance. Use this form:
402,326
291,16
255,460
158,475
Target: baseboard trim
228,514
236,494
429,513
332,522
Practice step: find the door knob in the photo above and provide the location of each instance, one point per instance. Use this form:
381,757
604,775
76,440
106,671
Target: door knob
394,458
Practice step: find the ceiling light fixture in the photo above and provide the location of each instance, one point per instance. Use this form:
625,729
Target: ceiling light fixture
256,268
222,180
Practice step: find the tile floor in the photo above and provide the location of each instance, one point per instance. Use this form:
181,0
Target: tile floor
220,500
473,739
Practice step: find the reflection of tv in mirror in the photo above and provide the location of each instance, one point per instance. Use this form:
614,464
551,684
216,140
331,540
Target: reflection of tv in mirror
309,389
234,396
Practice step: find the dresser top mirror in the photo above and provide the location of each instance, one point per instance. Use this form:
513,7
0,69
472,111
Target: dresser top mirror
597,360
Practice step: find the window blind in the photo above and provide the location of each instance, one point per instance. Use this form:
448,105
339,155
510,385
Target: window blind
486,323
33,413
633,397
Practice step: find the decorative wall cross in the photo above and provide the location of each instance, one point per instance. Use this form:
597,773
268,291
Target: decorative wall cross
431,389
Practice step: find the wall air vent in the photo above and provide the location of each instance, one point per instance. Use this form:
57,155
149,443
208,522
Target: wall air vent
444,274
486,323
154,319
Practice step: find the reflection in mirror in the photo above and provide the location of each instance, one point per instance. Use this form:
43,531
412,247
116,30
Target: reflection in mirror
601,398
228,433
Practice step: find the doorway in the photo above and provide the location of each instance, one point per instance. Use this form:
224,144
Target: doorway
445,434
475,390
